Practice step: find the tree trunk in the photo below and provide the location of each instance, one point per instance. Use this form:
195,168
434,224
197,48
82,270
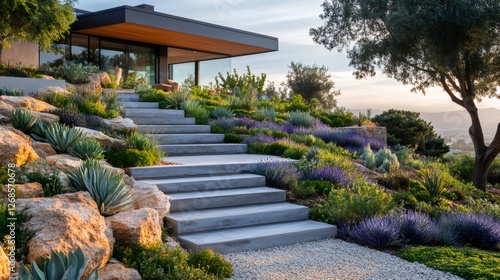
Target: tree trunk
480,174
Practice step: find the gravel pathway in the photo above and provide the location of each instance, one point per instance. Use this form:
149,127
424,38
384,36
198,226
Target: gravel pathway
327,259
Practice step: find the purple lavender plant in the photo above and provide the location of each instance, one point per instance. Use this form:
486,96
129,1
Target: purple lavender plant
478,230
247,122
416,227
332,174
262,138
279,174
224,123
379,232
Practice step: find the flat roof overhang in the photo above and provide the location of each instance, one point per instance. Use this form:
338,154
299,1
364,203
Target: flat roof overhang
147,26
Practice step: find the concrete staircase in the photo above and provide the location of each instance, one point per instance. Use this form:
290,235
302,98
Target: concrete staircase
215,202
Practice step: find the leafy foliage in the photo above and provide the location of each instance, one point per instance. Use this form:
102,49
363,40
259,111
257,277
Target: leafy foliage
172,264
108,191
59,266
62,137
22,234
222,112
193,108
175,98
246,82
300,118
23,119
312,82
279,174
87,149
468,263
38,171
433,181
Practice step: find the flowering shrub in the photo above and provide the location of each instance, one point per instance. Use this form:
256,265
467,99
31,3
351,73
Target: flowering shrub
479,230
279,174
379,232
332,174
416,227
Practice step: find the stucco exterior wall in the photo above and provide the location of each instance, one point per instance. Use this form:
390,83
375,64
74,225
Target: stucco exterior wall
22,53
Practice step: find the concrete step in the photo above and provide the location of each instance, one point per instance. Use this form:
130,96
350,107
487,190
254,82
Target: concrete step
164,139
257,237
163,120
231,217
178,171
129,97
204,149
137,105
152,113
204,183
174,129
224,198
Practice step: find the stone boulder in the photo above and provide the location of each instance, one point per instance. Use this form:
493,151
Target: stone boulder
102,138
147,195
43,149
120,124
55,89
5,110
47,117
65,222
27,190
104,78
15,147
5,265
27,102
136,227
118,75
63,162
115,270
94,84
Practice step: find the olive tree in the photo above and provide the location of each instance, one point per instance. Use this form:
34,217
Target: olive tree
312,82
38,21
454,44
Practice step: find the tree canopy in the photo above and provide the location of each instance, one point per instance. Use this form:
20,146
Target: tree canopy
312,82
454,44
38,21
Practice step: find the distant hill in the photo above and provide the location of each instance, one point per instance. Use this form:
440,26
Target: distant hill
455,124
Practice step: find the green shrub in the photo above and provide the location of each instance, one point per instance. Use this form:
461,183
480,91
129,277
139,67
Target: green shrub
59,266
87,149
57,99
465,262
433,181
150,94
172,264
22,234
38,171
112,102
296,152
62,137
258,148
139,141
460,166
77,73
108,191
211,263
221,112
233,138
277,148
11,92
193,108
300,118
264,113
128,157
23,119
245,82
176,98
395,181
353,204
308,188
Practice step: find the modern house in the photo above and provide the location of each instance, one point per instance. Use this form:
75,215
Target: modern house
156,45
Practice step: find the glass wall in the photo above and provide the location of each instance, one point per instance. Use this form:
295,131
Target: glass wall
211,69
182,71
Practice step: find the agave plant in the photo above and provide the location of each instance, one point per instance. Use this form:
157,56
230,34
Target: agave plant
176,98
23,119
38,131
433,181
87,149
108,191
193,108
222,113
62,137
59,266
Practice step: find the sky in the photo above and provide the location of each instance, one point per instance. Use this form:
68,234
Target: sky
290,21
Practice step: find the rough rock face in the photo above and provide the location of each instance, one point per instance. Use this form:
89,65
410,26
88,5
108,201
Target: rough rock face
63,162
137,227
27,102
148,195
4,265
55,89
120,123
5,110
115,270
93,85
48,117
102,138
43,149
104,78
27,190
65,222
15,147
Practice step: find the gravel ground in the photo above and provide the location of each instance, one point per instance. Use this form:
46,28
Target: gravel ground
327,259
